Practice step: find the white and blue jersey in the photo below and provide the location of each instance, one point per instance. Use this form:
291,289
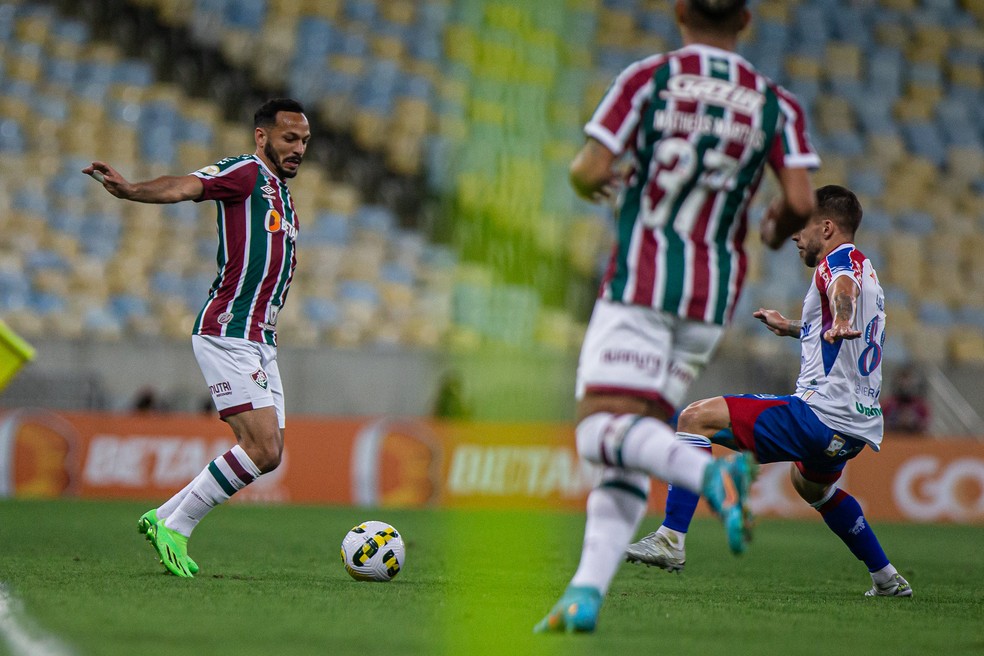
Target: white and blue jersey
841,382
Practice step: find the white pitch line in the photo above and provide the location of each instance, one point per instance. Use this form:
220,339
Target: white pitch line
21,638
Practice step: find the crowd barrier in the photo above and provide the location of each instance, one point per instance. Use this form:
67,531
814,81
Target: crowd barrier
393,462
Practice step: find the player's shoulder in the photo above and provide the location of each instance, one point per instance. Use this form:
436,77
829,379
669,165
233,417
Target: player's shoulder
843,255
646,65
228,163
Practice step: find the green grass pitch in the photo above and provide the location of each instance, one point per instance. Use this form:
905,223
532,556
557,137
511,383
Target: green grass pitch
475,582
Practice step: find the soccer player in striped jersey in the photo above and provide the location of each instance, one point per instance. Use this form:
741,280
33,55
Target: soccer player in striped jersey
834,413
234,336
697,126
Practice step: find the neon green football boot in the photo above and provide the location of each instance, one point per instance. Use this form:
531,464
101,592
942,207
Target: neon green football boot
148,522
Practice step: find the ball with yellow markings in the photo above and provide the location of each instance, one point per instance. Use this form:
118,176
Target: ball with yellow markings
373,551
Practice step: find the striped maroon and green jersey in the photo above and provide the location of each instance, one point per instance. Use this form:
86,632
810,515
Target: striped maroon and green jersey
257,228
700,125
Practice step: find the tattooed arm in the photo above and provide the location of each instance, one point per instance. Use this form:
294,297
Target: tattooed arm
843,295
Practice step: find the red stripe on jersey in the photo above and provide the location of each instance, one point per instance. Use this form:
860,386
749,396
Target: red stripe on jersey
689,64
799,121
233,228
258,313
701,266
232,188
625,93
857,265
740,233
822,280
646,268
777,154
748,79
233,184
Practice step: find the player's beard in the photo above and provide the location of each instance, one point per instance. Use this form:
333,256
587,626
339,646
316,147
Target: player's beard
811,254
277,162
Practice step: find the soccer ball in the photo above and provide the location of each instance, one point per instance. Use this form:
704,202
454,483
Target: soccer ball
372,551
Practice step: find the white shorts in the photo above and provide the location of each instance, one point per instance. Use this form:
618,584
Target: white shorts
241,375
639,351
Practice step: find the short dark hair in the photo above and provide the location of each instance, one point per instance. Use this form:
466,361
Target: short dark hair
717,15
266,115
841,206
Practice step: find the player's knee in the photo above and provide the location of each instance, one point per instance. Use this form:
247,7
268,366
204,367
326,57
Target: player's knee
688,421
698,418
810,491
265,454
589,434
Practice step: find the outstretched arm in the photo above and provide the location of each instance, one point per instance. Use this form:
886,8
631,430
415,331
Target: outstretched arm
843,295
591,172
165,189
779,324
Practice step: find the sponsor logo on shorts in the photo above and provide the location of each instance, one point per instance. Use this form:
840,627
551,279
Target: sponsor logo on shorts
220,389
867,411
836,444
260,378
648,362
225,317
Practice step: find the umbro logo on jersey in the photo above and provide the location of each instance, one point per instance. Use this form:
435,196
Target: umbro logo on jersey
714,92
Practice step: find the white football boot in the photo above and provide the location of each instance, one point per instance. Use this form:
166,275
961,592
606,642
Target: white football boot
656,549
896,587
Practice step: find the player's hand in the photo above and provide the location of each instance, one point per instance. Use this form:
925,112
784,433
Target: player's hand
836,332
773,320
114,183
770,222
609,191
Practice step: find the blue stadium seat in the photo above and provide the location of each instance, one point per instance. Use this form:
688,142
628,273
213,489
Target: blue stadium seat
925,140
184,214
875,220
99,319
167,283
810,25
396,273
375,218
61,71
970,316
363,11
935,313
127,306
323,313
331,228
915,222
245,14
45,303
12,137
316,37
358,291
